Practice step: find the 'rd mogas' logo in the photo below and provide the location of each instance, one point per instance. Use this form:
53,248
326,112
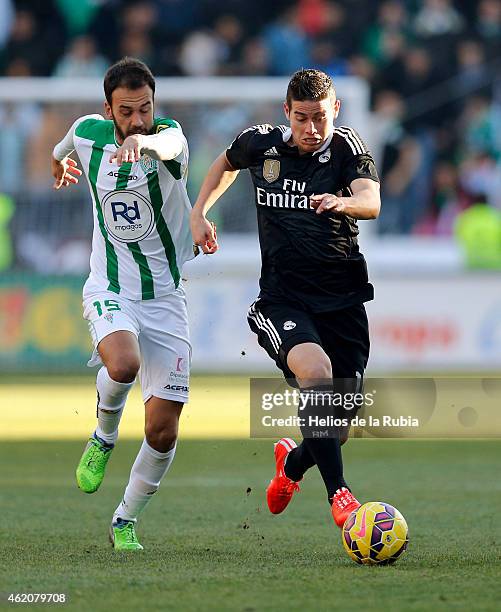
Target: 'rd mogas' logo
128,215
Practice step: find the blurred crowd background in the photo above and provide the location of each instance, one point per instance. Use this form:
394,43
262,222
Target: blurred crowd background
423,79
433,67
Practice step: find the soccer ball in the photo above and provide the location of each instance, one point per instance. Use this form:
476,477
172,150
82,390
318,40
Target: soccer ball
375,534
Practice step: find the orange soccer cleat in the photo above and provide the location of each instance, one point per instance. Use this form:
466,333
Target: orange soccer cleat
281,489
343,504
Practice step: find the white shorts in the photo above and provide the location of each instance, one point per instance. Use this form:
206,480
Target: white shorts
161,327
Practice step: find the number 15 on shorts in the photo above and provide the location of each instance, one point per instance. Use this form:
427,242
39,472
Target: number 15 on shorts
106,305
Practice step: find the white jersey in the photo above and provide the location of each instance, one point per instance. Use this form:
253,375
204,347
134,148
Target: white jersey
141,235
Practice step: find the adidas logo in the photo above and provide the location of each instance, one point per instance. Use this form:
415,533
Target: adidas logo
271,151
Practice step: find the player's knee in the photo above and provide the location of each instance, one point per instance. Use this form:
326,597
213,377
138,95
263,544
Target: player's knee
317,371
162,439
344,434
124,371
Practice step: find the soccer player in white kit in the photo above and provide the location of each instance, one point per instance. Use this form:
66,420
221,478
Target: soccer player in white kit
133,299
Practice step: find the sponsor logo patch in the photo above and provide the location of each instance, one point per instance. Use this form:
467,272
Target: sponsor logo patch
115,174
288,325
128,215
178,375
161,127
177,388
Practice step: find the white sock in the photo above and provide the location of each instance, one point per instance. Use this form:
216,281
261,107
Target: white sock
111,401
148,470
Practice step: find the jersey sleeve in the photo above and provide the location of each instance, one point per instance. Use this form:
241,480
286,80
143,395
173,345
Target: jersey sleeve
170,130
240,153
67,144
167,143
357,159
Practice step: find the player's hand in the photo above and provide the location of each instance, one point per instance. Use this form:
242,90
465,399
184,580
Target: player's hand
65,172
130,151
204,234
327,201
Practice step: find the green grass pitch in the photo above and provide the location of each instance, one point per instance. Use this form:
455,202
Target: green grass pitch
210,543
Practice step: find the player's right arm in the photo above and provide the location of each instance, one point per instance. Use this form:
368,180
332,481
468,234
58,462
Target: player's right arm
220,176
64,169
65,172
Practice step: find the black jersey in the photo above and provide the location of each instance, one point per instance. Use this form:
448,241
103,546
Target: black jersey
308,259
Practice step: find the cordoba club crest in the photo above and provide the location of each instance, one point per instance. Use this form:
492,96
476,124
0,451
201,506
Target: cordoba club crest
147,164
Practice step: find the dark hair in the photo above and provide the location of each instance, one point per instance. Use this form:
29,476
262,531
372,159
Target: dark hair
309,84
127,72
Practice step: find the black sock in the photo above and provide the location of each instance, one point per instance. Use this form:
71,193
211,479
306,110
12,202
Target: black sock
298,461
321,444
326,453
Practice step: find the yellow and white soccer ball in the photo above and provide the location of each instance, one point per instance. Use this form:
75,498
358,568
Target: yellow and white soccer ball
375,534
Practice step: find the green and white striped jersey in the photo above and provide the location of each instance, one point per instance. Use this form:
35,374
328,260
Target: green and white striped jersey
141,235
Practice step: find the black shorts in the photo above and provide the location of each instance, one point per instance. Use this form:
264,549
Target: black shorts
343,334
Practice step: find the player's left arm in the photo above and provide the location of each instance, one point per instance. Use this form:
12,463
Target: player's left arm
364,203
166,144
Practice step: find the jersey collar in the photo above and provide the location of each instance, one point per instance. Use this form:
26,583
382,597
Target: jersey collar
286,136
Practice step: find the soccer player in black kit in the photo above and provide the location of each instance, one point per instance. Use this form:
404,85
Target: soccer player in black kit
312,182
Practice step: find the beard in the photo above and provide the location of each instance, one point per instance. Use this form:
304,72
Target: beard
124,135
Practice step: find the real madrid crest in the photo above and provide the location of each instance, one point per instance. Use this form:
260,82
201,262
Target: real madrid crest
324,157
147,164
271,170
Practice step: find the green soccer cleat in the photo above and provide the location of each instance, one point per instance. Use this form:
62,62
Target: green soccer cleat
123,535
90,470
